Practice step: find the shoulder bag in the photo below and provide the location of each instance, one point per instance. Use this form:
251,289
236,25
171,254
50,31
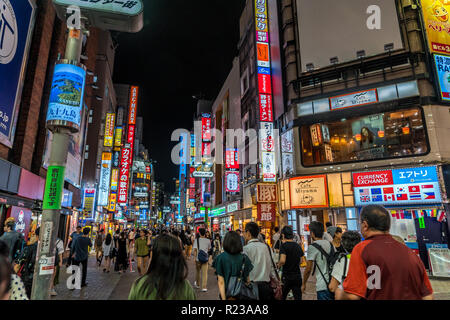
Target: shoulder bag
238,288
275,282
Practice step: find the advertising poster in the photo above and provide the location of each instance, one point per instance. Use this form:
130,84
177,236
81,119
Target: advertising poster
309,192
109,130
443,73
231,159
16,26
66,96
23,220
124,175
439,257
134,91
269,167
266,134
206,129
232,181
436,20
399,186
105,178
53,188
265,108
118,137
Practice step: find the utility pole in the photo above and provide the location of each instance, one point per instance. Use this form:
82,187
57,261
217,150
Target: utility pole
61,130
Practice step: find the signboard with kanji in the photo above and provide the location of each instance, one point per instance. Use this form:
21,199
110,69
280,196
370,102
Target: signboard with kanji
53,188
267,212
266,192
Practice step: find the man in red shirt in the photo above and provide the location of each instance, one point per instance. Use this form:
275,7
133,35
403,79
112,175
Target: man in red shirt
381,268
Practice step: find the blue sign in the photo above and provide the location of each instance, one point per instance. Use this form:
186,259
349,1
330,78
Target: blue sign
66,96
16,24
263,70
415,175
443,73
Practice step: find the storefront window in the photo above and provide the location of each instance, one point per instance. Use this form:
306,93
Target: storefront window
292,220
378,136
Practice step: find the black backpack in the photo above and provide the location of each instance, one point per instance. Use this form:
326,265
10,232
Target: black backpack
330,258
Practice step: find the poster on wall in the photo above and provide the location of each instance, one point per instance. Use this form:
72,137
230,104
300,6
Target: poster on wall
16,29
23,220
88,203
232,181
309,192
269,167
436,22
396,187
443,73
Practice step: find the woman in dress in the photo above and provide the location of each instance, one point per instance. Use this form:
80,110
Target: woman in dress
122,256
108,248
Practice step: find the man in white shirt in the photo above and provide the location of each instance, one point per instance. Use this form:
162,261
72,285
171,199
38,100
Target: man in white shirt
260,256
201,244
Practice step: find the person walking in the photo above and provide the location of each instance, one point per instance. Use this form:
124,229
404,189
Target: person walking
217,245
99,246
317,258
142,251
166,277
326,235
108,251
261,259
17,290
81,253
59,251
201,248
13,239
290,256
340,269
399,273
188,245
241,236
131,241
24,264
231,263
72,238
122,255
336,234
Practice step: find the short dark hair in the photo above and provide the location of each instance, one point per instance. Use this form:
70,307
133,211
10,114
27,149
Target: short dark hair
239,230
377,217
253,228
276,229
288,232
328,224
350,239
232,243
316,227
78,227
202,231
86,231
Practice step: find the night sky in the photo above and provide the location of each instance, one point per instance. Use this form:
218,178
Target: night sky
185,48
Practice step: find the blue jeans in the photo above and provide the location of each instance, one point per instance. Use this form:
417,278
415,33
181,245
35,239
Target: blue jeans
325,295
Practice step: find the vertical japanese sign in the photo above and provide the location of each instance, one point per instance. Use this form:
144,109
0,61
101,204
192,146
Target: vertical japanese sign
109,130
53,188
118,137
105,178
206,127
88,203
267,146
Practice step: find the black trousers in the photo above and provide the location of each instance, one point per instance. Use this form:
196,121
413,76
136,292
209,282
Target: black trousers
265,291
83,269
292,282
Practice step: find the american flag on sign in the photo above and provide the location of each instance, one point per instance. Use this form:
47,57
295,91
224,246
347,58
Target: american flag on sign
364,192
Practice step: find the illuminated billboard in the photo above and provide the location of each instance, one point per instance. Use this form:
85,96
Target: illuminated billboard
436,19
109,130
105,178
134,91
443,74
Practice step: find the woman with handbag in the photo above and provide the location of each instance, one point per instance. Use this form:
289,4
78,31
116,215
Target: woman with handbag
108,252
232,268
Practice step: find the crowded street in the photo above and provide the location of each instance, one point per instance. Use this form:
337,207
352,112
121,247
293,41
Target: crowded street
238,157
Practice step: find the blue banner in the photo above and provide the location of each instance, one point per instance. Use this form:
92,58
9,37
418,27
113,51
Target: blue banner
415,175
16,19
66,96
443,73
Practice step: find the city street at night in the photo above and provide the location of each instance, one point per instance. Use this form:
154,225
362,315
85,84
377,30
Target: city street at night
231,158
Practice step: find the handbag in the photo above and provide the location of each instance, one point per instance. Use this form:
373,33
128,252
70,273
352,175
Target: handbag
275,282
238,288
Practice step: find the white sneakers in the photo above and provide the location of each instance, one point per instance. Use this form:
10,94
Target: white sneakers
53,292
196,285
204,290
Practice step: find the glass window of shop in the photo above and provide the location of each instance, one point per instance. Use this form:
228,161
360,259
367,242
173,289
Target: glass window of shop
292,220
379,136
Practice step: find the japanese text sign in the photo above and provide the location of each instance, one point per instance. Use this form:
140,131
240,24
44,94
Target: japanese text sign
267,212
53,188
266,192
309,192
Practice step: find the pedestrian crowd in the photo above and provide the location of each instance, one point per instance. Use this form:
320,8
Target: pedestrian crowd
370,264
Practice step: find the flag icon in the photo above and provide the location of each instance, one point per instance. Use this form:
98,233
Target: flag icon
376,191
377,198
363,192
402,196
427,186
441,215
429,196
401,189
415,196
414,189
388,190
407,215
365,198
389,197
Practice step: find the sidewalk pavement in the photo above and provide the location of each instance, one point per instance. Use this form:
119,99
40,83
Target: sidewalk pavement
112,286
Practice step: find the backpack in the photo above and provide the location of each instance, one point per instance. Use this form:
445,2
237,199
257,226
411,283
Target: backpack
202,256
330,258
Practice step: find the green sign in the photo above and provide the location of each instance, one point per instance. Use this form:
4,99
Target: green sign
422,223
53,188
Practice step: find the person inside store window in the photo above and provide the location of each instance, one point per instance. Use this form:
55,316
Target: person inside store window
367,139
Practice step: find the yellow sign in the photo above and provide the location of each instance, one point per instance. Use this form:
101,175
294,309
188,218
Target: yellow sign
436,18
109,129
118,137
112,202
261,15
309,192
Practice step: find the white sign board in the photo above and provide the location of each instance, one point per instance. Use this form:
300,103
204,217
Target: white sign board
131,8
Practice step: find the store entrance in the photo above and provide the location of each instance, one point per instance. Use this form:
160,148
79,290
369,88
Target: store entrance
432,233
